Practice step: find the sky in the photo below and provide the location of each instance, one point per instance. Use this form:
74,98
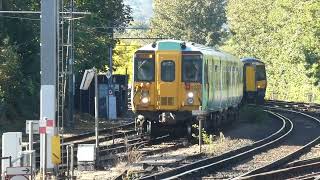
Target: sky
142,9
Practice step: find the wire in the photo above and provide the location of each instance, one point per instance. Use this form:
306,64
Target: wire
33,19
39,12
21,18
135,28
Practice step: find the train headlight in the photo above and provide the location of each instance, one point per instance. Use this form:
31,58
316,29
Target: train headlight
190,101
190,95
145,100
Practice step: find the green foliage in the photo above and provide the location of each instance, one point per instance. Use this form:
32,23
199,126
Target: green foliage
123,56
20,51
285,35
19,64
206,138
93,36
192,20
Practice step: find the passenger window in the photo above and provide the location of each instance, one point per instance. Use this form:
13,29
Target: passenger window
167,70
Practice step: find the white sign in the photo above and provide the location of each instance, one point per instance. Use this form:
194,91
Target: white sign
14,171
86,79
86,152
35,126
108,75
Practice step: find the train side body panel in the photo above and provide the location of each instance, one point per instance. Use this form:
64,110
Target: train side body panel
222,81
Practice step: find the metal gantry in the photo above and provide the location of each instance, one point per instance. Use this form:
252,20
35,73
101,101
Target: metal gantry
65,65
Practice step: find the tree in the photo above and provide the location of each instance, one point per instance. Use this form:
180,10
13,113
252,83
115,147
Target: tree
285,35
20,50
10,81
191,20
123,56
94,34
20,62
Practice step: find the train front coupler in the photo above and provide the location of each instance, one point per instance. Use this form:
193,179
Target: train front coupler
167,118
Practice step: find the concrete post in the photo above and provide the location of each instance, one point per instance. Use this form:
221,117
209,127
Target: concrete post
30,136
96,114
48,37
72,162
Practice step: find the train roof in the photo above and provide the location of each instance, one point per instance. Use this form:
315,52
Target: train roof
177,45
251,60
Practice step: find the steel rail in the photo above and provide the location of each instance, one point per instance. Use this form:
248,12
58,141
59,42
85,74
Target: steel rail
292,104
69,140
218,162
286,172
92,133
117,147
291,156
113,148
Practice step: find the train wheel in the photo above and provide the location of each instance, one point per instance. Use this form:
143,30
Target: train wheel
189,131
260,100
214,121
219,120
237,114
224,117
207,125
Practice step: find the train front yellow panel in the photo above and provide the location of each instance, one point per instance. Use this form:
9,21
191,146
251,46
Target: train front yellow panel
168,79
250,79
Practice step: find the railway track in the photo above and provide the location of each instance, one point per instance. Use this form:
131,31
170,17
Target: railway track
92,133
306,107
305,171
211,164
105,135
147,151
114,152
262,171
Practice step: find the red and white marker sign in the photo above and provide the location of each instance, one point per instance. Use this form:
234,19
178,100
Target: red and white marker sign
46,126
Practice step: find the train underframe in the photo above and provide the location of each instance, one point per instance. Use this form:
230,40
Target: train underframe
255,96
180,123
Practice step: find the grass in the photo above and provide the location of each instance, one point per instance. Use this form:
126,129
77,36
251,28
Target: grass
223,144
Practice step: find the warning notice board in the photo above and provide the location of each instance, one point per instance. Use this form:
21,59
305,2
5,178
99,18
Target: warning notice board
55,150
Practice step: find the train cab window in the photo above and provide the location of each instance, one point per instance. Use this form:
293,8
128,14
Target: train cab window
167,71
191,68
260,73
144,69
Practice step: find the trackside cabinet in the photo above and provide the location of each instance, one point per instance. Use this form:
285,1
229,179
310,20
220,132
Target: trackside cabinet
11,146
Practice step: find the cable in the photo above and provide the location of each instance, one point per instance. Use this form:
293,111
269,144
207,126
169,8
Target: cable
39,12
21,18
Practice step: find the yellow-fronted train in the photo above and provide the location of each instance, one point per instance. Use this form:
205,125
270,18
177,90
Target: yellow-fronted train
172,78
255,80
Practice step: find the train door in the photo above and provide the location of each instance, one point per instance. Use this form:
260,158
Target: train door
250,79
168,65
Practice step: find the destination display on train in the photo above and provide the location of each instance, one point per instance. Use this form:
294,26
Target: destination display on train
144,56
